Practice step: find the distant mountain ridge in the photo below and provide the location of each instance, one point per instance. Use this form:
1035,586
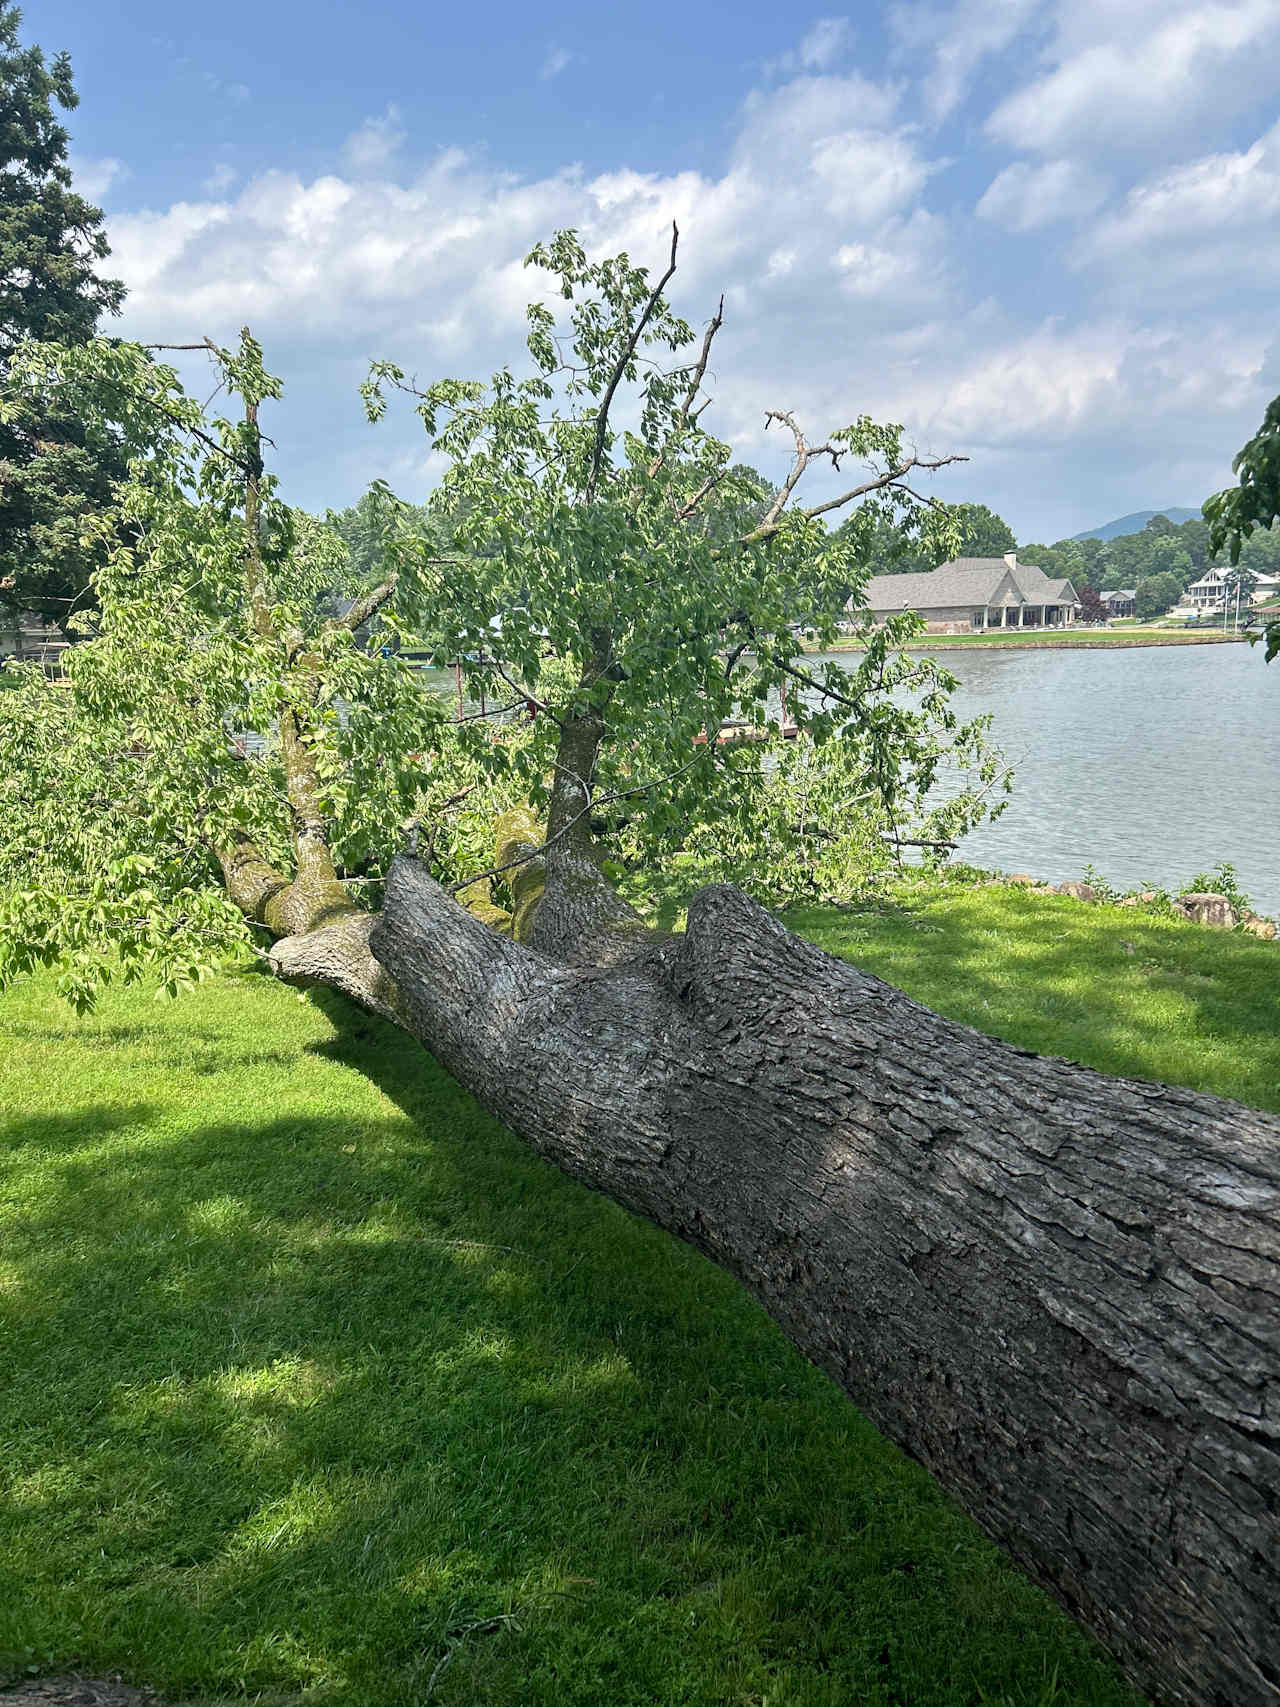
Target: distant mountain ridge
1136,522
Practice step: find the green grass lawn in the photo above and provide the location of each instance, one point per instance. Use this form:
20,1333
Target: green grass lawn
318,1384
1118,988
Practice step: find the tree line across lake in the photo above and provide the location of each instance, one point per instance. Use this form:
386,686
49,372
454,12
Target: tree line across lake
1160,560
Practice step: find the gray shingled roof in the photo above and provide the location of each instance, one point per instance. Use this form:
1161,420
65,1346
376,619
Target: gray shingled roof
966,581
1055,592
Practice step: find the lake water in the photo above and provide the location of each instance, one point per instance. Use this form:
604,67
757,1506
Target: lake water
1149,763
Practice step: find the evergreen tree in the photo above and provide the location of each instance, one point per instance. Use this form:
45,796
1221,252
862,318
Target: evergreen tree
55,472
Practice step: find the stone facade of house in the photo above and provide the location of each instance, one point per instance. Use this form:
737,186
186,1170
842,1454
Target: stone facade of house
975,595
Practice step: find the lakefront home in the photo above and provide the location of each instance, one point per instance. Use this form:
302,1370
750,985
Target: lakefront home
25,636
1210,591
975,594
1121,601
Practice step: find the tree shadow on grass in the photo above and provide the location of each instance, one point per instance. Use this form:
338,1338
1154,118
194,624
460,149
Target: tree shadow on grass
380,1407
197,1048
61,1133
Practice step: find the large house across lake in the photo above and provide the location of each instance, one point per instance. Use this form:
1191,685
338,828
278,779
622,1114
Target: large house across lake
977,593
1212,592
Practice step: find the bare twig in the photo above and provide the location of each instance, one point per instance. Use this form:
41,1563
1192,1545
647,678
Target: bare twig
206,344
804,456
489,711
917,841
525,694
708,485
484,1625
807,453
623,362
894,476
695,384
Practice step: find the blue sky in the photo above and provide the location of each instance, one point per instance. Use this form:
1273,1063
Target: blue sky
1043,233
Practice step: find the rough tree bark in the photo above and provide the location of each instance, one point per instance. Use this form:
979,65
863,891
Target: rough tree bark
1059,1291
580,918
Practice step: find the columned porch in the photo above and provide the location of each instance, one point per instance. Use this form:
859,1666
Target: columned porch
1021,616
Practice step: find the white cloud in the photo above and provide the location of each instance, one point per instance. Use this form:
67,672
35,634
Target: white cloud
953,42
376,143
557,60
93,177
783,124
1025,197
844,292
1056,385
825,43
868,174
148,247
1215,219
442,251
1136,74
828,40
871,269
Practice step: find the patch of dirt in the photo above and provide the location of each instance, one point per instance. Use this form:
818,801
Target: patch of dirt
76,1692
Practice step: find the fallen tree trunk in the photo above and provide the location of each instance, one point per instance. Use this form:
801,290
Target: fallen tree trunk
1059,1291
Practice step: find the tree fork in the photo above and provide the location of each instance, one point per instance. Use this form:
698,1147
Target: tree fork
1058,1290
321,937
580,917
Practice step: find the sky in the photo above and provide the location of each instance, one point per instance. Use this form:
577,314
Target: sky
1043,234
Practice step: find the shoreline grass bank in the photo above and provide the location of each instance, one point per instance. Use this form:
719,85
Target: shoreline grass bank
1048,642
323,1388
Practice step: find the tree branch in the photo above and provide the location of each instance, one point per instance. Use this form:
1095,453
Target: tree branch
528,697
368,606
708,485
699,373
805,454
894,476
596,801
623,362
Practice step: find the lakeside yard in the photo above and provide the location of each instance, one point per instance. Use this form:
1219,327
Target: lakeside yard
322,1384
1050,638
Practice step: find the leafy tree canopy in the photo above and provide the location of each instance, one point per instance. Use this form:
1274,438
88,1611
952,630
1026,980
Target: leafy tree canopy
1157,593
1250,509
982,532
217,717
55,471
643,591
229,763
974,530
